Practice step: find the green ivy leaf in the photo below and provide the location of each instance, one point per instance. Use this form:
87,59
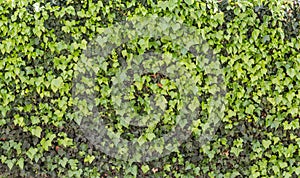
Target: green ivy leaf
89,159
31,152
65,142
266,143
189,2
36,131
10,163
236,151
63,162
161,102
145,168
194,104
56,84
21,163
250,109
255,34
34,120
141,140
150,136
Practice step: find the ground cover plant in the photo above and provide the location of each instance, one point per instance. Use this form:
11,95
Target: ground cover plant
44,49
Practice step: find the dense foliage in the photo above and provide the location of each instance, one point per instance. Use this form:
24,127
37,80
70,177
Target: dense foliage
257,43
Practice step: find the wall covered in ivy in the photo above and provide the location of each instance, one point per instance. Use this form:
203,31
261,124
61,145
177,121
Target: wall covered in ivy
42,47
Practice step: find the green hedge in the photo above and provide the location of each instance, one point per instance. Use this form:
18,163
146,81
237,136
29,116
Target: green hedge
256,42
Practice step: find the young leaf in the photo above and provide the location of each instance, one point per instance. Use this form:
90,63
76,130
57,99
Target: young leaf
56,84
36,131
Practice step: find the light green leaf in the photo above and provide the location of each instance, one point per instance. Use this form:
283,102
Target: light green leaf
236,151
255,34
189,2
161,102
89,159
10,163
63,162
21,163
31,153
266,143
141,140
150,136
45,144
56,84
194,104
145,168
249,109
36,131
291,72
